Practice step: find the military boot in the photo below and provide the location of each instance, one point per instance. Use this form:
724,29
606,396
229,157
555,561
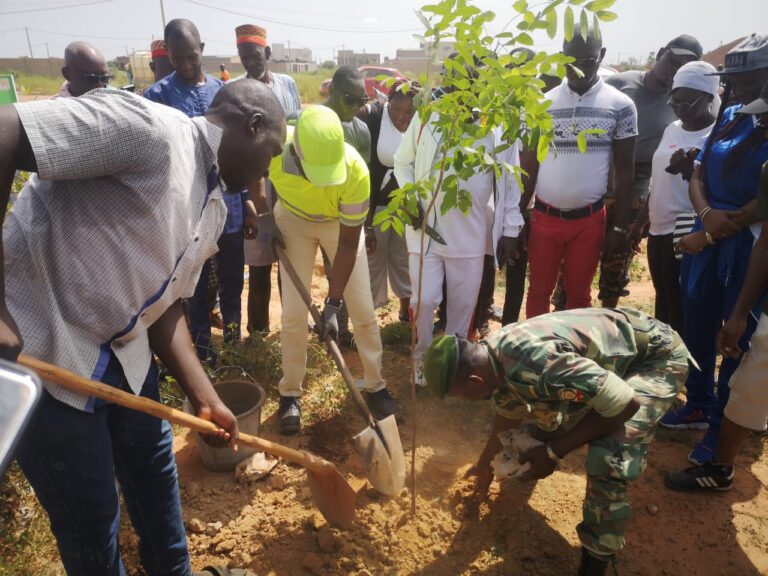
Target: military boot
592,566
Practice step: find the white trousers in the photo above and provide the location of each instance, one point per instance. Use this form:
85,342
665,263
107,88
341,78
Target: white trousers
302,239
462,276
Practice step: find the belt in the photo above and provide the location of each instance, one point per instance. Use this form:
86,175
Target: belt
574,214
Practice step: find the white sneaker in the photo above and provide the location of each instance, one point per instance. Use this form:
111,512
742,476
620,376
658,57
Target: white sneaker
418,366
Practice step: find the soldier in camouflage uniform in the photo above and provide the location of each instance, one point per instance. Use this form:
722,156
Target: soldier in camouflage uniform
602,377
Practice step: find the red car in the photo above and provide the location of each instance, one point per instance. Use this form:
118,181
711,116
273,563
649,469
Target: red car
373,87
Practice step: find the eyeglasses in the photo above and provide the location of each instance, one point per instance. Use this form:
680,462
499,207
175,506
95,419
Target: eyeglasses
352,100
584,63
95,79
684,107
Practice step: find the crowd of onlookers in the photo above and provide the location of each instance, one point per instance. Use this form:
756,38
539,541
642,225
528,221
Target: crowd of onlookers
670,157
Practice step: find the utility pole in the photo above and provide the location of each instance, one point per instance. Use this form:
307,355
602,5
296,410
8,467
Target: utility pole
28,42
162,13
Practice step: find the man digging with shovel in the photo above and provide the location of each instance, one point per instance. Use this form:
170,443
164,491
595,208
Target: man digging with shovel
323,195
602,377
98,253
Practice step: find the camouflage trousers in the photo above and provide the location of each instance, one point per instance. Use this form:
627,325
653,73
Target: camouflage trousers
615,460
614,271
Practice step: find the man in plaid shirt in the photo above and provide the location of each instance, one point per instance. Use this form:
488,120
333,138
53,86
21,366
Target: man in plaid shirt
99,250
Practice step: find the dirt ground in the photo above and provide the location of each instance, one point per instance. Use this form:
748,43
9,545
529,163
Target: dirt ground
526,529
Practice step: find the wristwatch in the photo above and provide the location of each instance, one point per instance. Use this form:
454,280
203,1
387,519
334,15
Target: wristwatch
335,302
551,453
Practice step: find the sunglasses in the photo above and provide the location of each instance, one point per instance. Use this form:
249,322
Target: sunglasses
584,63
95,79
352,100
684,107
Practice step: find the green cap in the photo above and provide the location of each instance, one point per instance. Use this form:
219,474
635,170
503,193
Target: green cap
440,364
319,144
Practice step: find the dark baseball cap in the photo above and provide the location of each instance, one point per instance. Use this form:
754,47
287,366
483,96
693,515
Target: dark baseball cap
759,106
749,55
685,45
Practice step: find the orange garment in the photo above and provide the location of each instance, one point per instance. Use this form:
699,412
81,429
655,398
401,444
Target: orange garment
225,76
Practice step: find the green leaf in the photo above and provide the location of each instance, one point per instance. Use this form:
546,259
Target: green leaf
581,142
596,27
520,5
398,226
524,39
607,16
551,19
584,23
424,19
381,217
568,24
597,5
542,149
464,201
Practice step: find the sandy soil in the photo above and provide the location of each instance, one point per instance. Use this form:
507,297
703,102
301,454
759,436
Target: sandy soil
527,529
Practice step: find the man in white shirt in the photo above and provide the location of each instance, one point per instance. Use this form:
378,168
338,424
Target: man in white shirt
568,220
460,259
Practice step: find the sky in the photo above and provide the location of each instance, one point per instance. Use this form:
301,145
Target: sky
117,26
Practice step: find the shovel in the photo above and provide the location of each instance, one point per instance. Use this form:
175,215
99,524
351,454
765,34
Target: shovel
332,494
379,444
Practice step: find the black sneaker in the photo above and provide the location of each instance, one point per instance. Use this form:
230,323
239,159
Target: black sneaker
289,415
347,340
381,403
709,477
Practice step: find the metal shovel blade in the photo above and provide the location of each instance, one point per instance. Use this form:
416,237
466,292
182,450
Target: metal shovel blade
333,495
384,468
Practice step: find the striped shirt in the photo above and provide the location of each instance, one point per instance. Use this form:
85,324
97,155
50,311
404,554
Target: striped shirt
126,209
285,89
347,203
567,178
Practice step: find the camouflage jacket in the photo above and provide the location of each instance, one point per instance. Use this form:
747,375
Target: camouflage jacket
561,363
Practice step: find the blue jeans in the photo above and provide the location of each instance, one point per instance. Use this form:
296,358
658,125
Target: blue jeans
702,320
71,458
230,261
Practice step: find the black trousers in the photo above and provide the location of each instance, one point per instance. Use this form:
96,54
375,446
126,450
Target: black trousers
513,296
665,274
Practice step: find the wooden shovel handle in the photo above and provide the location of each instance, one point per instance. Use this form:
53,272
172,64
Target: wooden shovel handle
77,383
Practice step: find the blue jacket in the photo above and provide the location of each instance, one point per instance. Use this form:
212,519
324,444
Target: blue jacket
194,100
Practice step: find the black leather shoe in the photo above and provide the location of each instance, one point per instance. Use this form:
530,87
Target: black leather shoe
289,415
381,403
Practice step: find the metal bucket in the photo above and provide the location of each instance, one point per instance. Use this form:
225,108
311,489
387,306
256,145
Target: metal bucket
245,399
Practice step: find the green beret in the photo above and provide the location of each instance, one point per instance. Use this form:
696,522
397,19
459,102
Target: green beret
440,364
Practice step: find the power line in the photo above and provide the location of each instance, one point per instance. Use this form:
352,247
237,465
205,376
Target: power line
321,14
303,26
55,7
89,37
